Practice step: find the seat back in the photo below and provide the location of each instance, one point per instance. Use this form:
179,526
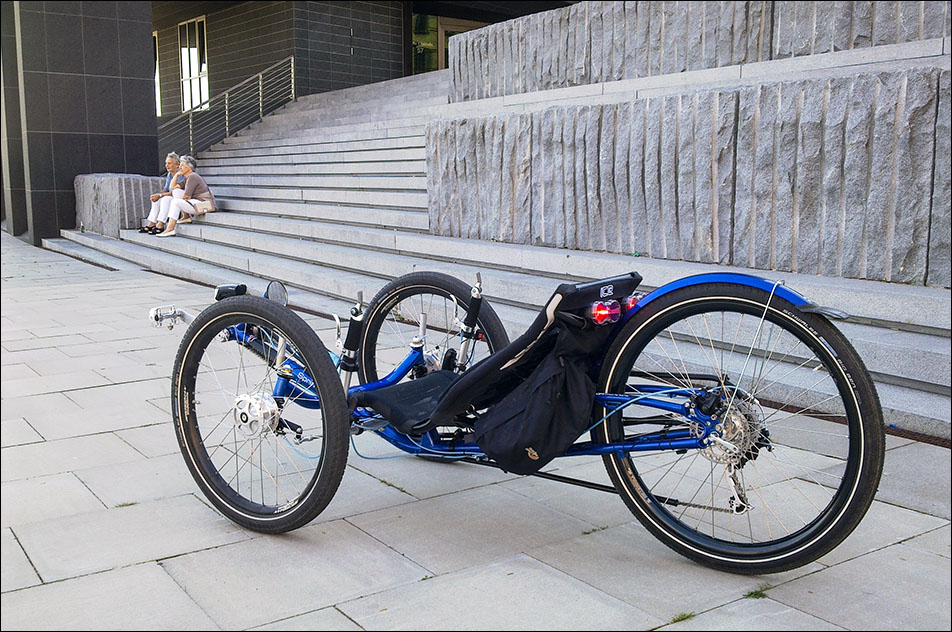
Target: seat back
490,372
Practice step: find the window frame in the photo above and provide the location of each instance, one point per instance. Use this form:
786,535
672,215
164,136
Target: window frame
158,85
194,85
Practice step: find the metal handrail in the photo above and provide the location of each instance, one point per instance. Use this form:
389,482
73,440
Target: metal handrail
205,125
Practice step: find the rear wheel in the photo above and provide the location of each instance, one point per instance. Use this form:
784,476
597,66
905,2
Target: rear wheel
799,451
268,463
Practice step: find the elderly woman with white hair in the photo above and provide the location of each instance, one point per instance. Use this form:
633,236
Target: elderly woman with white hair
198,199
162,200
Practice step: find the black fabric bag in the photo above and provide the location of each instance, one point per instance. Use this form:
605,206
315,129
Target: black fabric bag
544,415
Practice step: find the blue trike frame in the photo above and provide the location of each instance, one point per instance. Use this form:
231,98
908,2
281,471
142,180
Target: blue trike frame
295,385
695,433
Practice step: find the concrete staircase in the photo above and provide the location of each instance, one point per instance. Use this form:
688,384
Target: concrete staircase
329,195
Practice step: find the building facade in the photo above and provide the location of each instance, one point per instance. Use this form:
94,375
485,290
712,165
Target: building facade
88,86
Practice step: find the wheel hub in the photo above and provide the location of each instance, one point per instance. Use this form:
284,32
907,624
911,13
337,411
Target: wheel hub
255,415
741,433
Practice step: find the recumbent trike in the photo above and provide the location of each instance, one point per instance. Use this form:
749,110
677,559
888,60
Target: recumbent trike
735,421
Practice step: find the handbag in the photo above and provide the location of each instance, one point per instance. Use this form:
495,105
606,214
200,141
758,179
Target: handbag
202,206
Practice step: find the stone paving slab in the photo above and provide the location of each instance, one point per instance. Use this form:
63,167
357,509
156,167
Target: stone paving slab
46,498
518,593
140,597
918,476
18,372
17,572
63,382
936,541
50,405
753,614
630,564
88,421
91,542
475,526
138,481
914,586
425,479
152,441
64,455
17,432
883,525
313,567
597,507
361,493
323,619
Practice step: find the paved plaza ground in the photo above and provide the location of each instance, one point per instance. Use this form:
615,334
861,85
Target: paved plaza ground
103,528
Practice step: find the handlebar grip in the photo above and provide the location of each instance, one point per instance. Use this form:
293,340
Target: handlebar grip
472,314
355,329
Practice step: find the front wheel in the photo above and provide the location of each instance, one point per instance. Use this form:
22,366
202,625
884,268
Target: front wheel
394,316
269,460
800,439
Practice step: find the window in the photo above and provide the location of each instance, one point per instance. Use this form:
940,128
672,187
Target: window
194,63
431,36
155,64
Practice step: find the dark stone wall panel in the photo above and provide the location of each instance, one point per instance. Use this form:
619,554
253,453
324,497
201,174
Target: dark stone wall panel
88,94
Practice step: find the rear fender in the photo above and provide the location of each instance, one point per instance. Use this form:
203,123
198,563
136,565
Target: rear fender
733,278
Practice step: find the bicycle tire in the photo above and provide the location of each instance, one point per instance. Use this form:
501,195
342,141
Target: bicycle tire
812,465
304,475
380,315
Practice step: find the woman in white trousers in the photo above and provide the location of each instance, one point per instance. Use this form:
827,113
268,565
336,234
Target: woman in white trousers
161,201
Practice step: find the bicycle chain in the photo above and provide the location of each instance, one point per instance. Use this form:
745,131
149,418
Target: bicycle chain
697,506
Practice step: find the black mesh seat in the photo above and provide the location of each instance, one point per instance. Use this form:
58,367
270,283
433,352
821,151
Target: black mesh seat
503,370
409,403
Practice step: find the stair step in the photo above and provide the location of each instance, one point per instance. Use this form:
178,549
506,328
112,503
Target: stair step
336,168
90,255
285,127
385,199
305,181
303,146
315,158
356,215
171,263
319,136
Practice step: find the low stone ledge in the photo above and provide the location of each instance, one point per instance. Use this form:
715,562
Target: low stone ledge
109,202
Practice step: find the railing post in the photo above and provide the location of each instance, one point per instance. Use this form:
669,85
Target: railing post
227,117
292,78
260,96
191,141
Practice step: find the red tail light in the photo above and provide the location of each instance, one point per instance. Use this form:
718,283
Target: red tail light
604,312
632,300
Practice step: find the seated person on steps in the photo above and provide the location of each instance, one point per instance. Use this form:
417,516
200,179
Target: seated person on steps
161,201
198,199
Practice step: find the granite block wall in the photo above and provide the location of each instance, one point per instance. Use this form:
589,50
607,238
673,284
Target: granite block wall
109,202
593,42
834,176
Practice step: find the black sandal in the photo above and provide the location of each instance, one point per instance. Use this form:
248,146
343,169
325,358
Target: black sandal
145,229
155,230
